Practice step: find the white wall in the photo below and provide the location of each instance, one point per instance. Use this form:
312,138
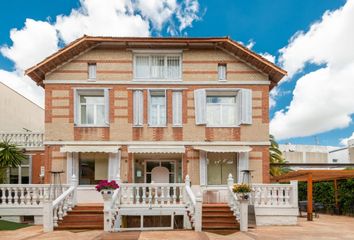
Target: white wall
17,112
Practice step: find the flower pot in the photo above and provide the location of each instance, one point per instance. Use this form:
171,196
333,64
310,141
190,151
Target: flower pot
243,196
107,194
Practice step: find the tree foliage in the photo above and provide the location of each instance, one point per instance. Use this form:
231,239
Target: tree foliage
276,156
10,156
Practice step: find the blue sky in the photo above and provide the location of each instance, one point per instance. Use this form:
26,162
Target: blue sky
269,25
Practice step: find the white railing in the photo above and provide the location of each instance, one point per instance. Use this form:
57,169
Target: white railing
26,139
54,211
111,214
274,195
25,195
151,194
233,201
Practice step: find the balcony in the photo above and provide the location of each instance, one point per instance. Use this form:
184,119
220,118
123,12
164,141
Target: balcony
26,140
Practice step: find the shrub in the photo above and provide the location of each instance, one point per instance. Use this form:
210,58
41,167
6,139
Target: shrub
106,185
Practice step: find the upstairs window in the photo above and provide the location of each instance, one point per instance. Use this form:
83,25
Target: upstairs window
92,71
157,108
91,107
221,110
222,72
157,66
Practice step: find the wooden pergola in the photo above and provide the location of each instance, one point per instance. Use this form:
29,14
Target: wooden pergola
311,176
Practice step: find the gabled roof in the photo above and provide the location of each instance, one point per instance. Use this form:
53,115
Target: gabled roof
38,72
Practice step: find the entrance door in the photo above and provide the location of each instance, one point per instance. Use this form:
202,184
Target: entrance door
160,171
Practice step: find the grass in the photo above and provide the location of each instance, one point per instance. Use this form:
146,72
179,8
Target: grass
6,225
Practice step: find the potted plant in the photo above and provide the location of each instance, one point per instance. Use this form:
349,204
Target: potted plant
242,191
106,188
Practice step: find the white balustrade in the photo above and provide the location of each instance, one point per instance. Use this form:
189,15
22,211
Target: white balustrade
274,195
54,211
24,139
23,195
151,194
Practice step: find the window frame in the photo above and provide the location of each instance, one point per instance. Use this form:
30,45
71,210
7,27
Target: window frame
223,93
150,55
89,77
222,65
29,166
149,107
77,106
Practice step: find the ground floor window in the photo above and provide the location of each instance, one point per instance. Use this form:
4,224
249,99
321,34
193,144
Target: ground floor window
93,167
219,166
22,173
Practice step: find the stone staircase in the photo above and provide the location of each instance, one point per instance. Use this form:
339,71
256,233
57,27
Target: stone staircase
83,217
218,218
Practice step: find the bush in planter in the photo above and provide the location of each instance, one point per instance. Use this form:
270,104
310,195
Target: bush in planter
106,185
242,190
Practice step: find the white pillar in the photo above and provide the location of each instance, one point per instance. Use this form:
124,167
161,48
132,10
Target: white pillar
107,203
243,215
47,215
294,194
198,213
75,183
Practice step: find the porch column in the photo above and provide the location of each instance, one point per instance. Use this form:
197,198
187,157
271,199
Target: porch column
114,166
243,164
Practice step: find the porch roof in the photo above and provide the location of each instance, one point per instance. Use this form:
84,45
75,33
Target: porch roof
89,148
156,149
223,149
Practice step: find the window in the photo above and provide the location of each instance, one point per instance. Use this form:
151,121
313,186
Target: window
221,110
169,165
177,108
92,107
157,108
334,160
21,174
219,166
92,71
222,72
157,66
223,107
93,167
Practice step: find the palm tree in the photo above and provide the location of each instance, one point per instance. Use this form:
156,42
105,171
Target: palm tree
276,156
10,156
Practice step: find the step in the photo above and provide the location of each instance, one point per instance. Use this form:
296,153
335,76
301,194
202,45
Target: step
88,208
216,209
220,226
81,212
80,227
219,219
218,214
221,231
83,218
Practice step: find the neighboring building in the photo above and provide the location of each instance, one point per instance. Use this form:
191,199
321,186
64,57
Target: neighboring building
351,150
315,154
22,122
156,109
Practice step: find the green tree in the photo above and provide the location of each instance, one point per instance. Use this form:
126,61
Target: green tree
276,156
10,156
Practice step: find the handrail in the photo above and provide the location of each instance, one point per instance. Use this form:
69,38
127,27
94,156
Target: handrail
115,197
63,196
191,195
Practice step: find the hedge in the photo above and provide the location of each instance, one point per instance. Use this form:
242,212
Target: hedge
323,192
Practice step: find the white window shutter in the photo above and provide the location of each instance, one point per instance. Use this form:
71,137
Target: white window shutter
76,107
246,106
243,164
92,67
200,106
177,108
106,105
138,108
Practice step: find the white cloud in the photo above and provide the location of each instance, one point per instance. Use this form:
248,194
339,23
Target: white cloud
268,56
38,39
322,99
31,44
344,141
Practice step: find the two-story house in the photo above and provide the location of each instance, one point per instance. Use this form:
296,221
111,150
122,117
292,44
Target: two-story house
148,110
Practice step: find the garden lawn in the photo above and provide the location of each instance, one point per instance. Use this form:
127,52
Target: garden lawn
6,225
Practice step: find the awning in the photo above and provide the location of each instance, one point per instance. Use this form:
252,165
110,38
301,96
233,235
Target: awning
156,149
223,149
88,148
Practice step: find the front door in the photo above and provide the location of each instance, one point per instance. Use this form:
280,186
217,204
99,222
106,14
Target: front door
160,171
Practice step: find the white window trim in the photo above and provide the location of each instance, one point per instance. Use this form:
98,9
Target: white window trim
77,107
231,91
89,78
222,79
158,53
149,101
29,165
